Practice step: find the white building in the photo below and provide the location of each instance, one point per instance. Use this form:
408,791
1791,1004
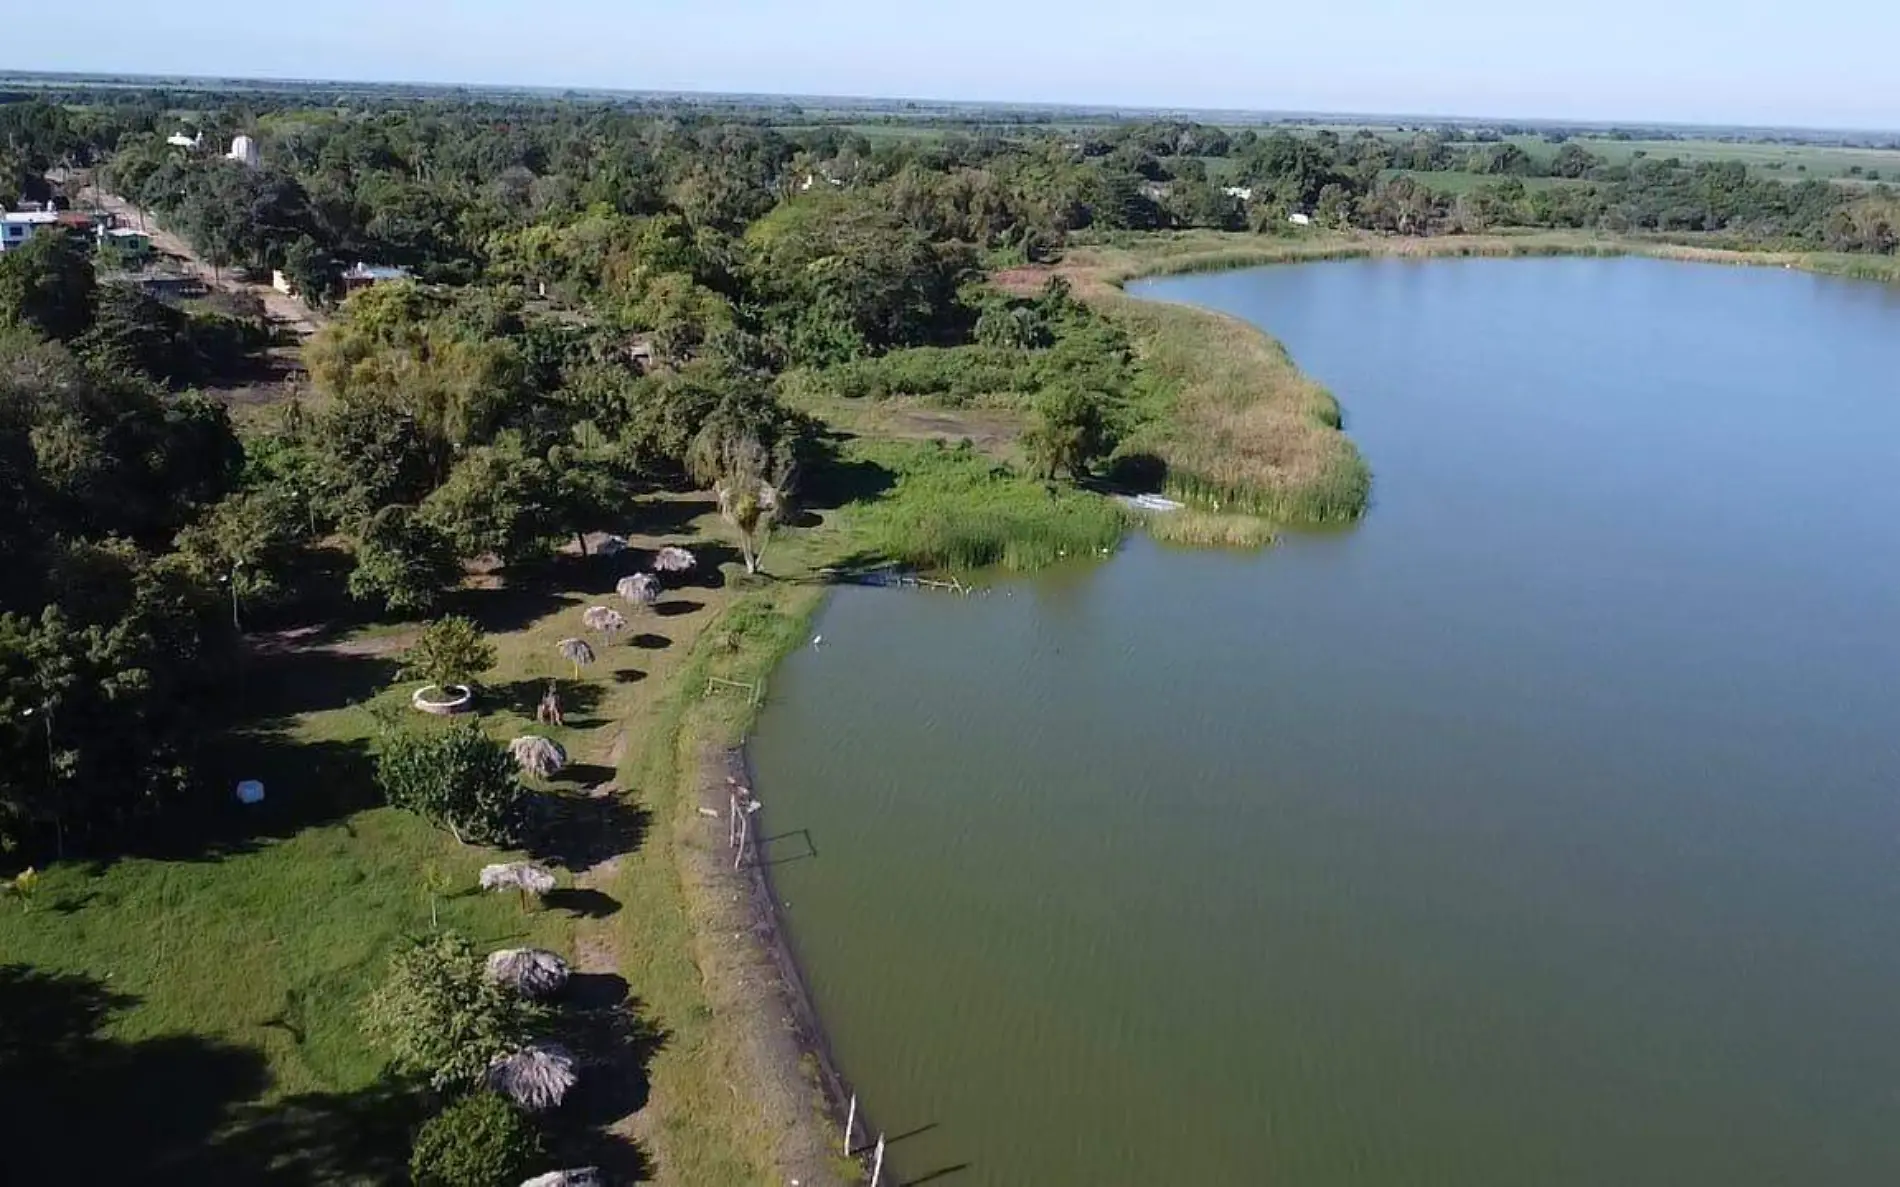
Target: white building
180,140
244,149
1300,218
1243,192
17,226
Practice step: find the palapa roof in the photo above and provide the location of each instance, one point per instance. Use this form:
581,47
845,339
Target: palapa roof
674,560
517,875
578,650
586,1176
531,972
537,1077
603,618
538,756
642,589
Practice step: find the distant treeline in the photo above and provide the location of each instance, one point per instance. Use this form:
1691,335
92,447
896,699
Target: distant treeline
448,185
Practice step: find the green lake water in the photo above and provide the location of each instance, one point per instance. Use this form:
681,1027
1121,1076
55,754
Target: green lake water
1542,830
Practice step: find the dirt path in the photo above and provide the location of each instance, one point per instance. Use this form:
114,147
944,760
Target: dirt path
288,311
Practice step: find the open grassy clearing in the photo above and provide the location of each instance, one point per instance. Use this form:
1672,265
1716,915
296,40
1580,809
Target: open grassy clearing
239,964
1790,162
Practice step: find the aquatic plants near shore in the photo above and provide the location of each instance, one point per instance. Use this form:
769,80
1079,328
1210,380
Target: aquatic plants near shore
953,508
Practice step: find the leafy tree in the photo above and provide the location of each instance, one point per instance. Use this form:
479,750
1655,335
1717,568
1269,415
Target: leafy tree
403,562
135,332
457,778
480,1140
252,538
1068,432
46,284
449,650
499,500
437,1014
312,270
372,453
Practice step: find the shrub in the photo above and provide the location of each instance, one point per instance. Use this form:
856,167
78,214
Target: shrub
438,1015
449,650
458,778
479,1141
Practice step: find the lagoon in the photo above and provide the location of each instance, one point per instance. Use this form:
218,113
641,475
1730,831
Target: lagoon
1543,828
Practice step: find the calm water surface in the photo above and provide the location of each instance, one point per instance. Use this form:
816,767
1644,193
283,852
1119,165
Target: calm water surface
1545,829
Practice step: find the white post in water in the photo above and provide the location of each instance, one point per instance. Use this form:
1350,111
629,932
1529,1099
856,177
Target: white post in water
877,1161
850,1119
732,820
745,819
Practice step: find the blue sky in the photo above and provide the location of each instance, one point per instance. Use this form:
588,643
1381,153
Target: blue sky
1819,63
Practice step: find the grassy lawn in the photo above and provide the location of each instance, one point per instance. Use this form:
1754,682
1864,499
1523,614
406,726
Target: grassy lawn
226,972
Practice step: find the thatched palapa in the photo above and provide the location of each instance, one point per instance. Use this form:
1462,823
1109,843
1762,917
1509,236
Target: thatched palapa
537,1077
641,589
586,1176
531,972
605,619
517,875
674,560
538,756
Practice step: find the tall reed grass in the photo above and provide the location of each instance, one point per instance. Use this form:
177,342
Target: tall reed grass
952,508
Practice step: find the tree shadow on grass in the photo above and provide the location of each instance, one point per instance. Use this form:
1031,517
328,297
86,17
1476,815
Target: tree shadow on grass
306,784
583,775
283,684
577,833
582,903
318,1139
669,517
84,1108
523,696
616,1041
519,603
835,481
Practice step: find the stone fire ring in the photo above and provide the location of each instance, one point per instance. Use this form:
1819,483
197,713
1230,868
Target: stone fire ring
443,702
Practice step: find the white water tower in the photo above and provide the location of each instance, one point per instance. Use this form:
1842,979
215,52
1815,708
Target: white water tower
244,149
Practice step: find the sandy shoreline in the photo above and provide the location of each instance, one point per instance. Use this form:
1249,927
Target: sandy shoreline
755,983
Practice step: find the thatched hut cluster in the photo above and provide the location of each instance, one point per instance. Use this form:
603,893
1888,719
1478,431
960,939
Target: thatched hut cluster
531,972
538,1077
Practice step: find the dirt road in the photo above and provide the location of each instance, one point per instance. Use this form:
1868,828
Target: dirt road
290,312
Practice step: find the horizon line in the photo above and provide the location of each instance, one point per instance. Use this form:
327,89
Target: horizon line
1261,115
